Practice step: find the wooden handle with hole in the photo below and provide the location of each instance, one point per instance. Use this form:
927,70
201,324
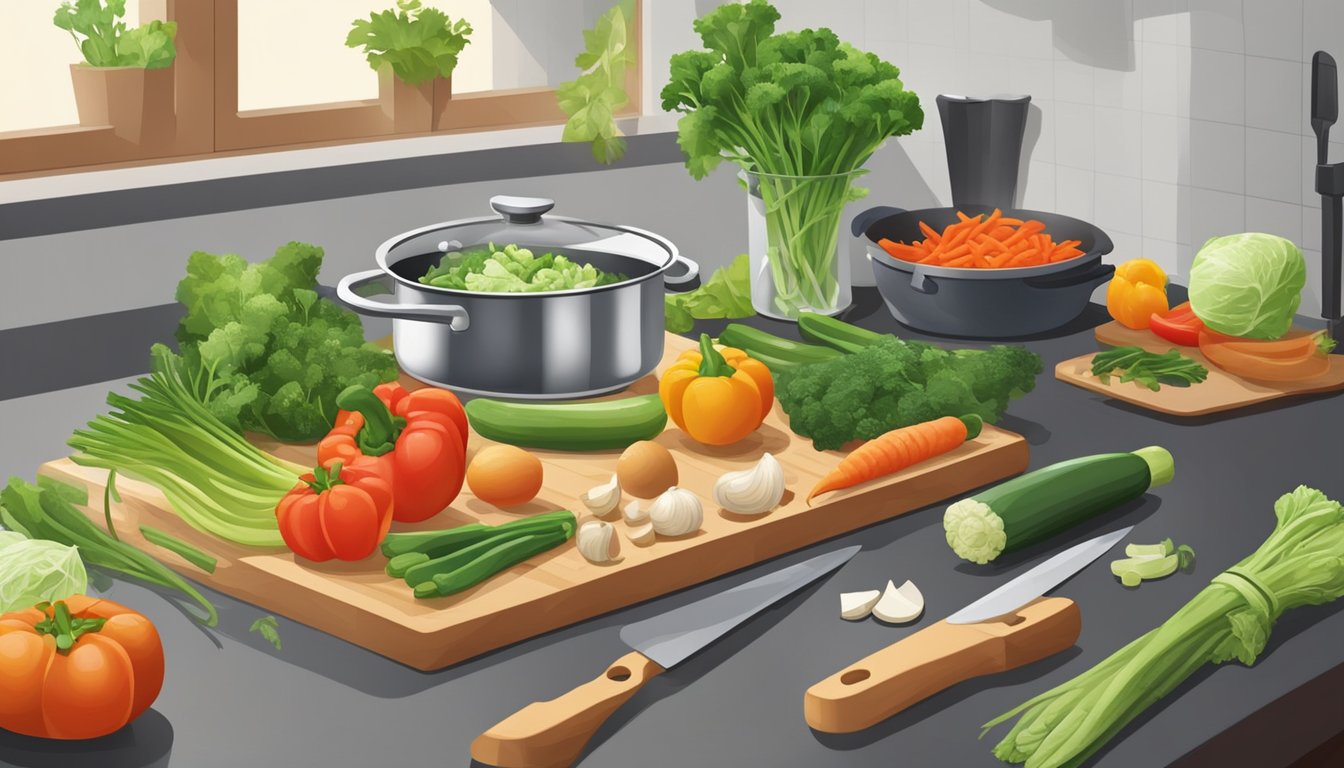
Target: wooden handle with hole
906,672
552,734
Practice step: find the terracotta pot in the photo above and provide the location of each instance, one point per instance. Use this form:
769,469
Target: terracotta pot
409,107
136,102
443,96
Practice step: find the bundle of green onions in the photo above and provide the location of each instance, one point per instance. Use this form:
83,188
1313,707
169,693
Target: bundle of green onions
214,479
1301,563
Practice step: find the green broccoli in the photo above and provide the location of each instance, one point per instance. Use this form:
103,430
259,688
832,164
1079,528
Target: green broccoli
896,383
265,353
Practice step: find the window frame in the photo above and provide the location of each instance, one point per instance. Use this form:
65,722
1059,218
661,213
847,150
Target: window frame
209,123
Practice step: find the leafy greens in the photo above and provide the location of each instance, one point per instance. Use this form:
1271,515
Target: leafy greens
592,99
726,295
513,269
108,43
418,43
264,352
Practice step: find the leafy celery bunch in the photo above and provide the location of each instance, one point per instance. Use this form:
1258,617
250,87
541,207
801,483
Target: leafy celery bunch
108,43
418,43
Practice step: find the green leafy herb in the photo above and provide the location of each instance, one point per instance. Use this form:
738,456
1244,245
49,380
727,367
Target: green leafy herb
592,99
513,269
108,43
1301,563
896,383
46,511
263,351
726,295
269,629
418,43
1150,369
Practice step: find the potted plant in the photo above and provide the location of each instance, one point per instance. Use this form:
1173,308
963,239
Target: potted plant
414,51
592,99
126,78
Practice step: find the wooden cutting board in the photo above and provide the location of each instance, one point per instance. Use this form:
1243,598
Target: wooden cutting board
1221,391
361,604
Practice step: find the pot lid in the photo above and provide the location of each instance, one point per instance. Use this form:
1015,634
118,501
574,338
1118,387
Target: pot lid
527,221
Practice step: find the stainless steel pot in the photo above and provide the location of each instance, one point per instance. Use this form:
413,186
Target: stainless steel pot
554,345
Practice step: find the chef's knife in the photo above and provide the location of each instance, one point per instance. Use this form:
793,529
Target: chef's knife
553,733
1330,185
1007,628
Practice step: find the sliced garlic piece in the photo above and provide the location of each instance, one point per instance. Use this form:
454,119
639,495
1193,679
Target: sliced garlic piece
602,500
857,605
641,535
676,512
597,541
752,491
899,605
634,514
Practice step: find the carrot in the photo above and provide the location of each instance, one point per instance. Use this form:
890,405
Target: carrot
992,241
930,233
897,450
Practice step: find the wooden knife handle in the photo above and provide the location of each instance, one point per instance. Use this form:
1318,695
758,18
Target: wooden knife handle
871,690
552,734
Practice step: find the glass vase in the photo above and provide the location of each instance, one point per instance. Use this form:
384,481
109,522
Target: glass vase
799,258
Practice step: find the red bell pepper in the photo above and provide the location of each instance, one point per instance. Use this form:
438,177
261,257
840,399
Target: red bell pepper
1179,326
341,512
417,441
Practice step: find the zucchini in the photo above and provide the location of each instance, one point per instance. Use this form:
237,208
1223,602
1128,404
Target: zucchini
1040,504
776,352
583,426
833,332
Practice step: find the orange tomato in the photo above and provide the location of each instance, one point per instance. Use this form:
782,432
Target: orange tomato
717,395
1137,292
79,669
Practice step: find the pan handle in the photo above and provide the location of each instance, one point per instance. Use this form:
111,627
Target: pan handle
453,314
864,220
692,272
922,283
1093,277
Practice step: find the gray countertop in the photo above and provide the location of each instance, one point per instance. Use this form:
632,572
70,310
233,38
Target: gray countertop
231,699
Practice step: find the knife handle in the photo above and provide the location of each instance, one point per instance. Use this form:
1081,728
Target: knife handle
875,688
552,734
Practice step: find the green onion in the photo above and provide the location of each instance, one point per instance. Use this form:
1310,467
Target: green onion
180,548
214,479
1150,369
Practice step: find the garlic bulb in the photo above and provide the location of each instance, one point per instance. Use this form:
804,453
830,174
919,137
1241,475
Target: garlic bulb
641,535
752,491
597,541
603,499
899,605
676,512
634,514
857,605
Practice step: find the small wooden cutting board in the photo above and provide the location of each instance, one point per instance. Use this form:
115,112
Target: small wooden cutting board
1220,392
360,603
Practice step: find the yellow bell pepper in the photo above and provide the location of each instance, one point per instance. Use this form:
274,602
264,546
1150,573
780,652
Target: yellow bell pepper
1137,292
717,395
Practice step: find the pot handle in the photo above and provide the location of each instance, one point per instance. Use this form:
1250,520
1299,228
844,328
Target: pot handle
922,283
863,221
692,272
454,315
1093,277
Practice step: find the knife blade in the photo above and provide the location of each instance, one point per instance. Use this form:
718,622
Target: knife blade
550,734
1038,580
1011,626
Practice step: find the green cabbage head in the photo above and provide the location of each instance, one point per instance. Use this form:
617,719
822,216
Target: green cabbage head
1248,285
36,570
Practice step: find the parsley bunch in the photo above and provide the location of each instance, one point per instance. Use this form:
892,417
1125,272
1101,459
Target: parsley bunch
418,43
108,43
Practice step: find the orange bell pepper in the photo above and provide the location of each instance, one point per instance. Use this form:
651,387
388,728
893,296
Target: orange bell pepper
78,669
417,441
1137,292
717,395
340,512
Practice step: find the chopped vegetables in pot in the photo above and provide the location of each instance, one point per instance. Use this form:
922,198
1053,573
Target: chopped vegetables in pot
513,269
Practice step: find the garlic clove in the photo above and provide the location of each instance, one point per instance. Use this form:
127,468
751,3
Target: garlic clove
752,491
857,605
635,514
603,500
597,541
641,535
899,606
676,512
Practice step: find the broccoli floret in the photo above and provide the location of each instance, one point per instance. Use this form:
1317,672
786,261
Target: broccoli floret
897,383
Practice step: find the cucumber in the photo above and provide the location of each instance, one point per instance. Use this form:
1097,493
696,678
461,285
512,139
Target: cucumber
583,426
832,332
776,352
1040,504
